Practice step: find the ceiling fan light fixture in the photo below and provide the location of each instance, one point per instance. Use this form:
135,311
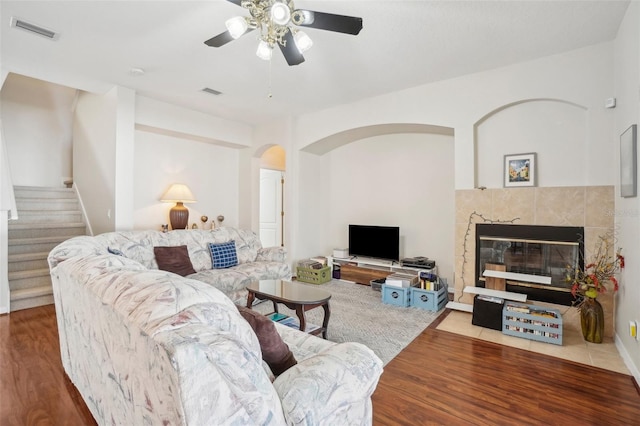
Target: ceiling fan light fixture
303,41
265,51
307,16
236,26
280,13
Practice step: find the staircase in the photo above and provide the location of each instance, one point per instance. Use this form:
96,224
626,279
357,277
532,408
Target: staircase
47,216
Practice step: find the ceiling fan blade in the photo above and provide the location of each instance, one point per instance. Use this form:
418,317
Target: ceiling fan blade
238,2
290,50
222,39
330,22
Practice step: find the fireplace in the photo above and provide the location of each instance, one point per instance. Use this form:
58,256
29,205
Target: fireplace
528,259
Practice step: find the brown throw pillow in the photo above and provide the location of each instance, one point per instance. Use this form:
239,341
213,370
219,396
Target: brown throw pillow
275,351
174,259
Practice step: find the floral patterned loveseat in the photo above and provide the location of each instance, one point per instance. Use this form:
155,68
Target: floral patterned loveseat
146,346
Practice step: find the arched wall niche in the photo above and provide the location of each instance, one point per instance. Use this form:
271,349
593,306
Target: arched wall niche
259,151
555,129
393,174
339,139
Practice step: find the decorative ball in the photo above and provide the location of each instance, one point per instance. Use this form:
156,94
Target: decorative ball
204,218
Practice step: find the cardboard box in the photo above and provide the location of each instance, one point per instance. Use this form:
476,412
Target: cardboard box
341,252
401,280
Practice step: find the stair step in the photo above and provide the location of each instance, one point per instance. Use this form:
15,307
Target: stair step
27,261
31,297
43,225
21,280
34,273
23,192
46,204
32,245
30,230
48,216
23,257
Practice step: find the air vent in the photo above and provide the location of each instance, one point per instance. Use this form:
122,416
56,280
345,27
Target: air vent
33,28
211,91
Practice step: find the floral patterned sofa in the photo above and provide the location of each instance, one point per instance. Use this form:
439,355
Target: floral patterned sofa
254,261
147,346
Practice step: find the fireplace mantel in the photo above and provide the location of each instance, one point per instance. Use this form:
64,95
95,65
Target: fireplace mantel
545,206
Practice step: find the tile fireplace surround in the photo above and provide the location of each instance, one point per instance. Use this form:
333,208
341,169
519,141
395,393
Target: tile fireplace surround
591,207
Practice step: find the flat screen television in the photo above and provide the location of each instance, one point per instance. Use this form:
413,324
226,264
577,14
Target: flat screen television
380,242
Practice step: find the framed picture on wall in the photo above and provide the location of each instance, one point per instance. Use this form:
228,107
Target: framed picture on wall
520,170
628,162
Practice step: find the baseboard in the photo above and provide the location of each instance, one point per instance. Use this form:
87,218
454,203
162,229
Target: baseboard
627,359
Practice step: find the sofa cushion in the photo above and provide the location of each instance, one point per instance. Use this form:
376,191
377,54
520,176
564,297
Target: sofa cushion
223,255
174,259
275,352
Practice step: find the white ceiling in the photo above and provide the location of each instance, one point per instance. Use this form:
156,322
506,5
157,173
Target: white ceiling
402,44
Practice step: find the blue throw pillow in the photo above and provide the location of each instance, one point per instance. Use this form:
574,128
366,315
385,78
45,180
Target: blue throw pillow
223,255
115,251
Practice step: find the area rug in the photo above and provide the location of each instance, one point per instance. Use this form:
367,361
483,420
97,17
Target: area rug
358,315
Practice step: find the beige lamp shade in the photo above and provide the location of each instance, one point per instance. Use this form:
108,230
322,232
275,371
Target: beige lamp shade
178,215
178,192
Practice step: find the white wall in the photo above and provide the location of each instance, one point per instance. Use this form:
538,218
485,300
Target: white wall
124,167
627,211
583,77
7,205
531,127
179,121
210,171
403,180
209,154
309,189
37,120
94,157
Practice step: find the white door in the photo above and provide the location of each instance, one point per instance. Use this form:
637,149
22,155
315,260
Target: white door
271,214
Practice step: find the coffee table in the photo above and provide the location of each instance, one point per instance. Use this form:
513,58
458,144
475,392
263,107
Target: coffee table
293,295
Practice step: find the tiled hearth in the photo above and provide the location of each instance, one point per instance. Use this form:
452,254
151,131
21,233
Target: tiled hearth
591,207
574,348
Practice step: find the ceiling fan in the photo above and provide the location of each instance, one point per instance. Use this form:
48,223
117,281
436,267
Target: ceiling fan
278,22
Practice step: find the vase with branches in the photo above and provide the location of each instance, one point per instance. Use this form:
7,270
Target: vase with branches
596,277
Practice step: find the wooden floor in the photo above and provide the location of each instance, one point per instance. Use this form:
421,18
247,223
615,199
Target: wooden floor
34,390
447,379
440,378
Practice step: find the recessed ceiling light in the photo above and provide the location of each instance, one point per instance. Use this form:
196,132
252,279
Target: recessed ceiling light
33,28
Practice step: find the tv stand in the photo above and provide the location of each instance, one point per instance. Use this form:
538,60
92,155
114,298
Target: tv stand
371,261
362,270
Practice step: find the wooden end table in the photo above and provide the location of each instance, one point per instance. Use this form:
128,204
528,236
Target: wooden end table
295,296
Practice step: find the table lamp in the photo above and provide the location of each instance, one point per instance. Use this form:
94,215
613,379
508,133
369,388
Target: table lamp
178,215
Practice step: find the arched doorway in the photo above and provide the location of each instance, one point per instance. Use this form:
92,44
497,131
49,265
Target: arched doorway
272,180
